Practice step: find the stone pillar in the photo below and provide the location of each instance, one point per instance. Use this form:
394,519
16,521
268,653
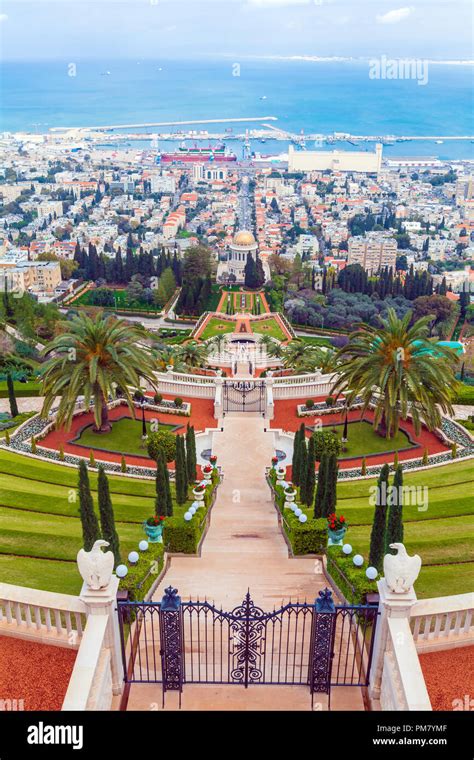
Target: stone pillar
269,403
391,605
218,400
103,601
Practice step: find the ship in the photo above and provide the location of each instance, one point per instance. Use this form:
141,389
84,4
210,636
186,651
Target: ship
198,154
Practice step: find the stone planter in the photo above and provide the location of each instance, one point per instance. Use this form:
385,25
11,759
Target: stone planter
198,495
280,473
290,495
154,533
336,537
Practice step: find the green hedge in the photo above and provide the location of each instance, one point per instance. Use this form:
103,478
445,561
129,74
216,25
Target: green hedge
351,580
465,395
180,536
305,538
141,576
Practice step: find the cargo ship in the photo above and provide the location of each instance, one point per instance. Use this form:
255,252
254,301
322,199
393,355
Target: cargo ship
197,154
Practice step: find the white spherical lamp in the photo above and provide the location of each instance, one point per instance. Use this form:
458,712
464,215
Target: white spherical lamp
196,504
371,573
298,512
302,518
358,560
121,571
133,558
347,549
192,510
188,516
143,546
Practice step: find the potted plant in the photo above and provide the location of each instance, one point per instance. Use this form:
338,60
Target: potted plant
290,492
309,404
198,492
281,472
213,460
274,461
158,398
207,471
153,528
337,527
178,402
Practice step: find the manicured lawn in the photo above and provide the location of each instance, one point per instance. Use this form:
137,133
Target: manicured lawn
122,301
217,326
39,518
363,440
124,438
268,327
446,544
325,342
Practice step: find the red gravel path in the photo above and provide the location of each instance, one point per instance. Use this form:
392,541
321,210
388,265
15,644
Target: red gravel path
449,678
38,674
202,416
286,419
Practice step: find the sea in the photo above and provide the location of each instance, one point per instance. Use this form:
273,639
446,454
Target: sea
306,97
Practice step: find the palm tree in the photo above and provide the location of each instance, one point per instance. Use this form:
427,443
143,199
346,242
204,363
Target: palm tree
301,357
90,358
400,371
167,356
217,344
193,354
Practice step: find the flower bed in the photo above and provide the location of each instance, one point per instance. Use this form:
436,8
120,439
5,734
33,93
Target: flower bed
349,579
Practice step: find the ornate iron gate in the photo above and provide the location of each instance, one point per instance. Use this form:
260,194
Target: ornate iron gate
244,396
318,645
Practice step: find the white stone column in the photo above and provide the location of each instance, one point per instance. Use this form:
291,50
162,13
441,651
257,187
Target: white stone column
219,382
104,602
391,605
269,403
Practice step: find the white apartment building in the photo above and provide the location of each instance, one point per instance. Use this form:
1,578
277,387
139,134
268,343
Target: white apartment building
47,208
372,251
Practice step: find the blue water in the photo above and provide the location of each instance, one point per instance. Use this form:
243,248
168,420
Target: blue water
315,97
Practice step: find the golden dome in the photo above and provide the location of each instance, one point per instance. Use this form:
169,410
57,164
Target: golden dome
244,238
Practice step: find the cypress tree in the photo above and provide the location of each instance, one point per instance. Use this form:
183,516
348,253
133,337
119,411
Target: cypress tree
107,520
394,532
296,457
330,491
191,459
303,470
90,524
163,501
11,396
181,477
310,473
379,525
321,486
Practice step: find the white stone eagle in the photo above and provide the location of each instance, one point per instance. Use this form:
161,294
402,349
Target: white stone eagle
400,570
96,567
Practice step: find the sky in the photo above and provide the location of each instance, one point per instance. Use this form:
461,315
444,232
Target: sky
111,29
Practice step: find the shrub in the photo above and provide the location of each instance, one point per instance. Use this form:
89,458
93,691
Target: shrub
363,467
138,395
326,442
123,464
140,577
464,394
7,437
91,459
351,580
395,461
158,398
305,538
162,439
61,452
330,401
309,404
180,536
178,402
33,445
424,461
454,451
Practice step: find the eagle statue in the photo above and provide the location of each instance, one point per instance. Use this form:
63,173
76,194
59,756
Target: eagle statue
400,570
96,567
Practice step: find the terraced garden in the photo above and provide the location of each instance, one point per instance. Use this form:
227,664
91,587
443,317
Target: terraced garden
40,530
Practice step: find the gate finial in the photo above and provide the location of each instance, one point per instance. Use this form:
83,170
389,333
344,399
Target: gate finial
170,601
325,603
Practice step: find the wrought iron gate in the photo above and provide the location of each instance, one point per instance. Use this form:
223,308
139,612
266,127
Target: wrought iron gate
244,396
318,645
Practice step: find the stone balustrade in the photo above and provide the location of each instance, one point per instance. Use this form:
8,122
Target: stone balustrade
41,616
90,685
443,622
403,686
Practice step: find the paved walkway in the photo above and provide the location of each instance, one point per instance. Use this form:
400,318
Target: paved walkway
244,549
